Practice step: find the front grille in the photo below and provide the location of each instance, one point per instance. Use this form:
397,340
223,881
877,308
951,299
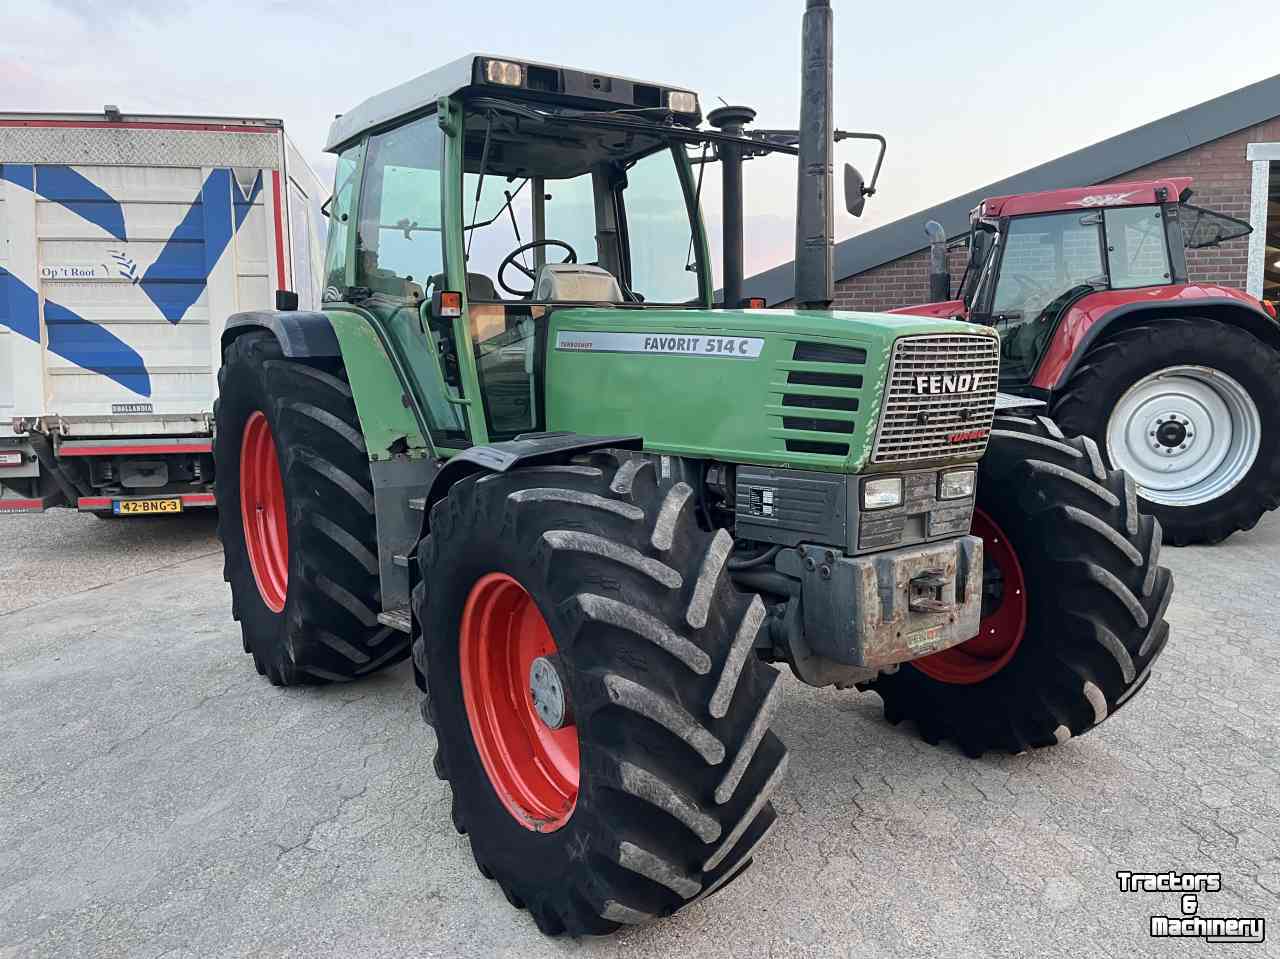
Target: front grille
916,426
819,400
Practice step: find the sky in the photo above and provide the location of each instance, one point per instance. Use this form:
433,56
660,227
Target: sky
965,94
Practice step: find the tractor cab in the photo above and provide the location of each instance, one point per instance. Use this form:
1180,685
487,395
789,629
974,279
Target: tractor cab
1089,290
1033,256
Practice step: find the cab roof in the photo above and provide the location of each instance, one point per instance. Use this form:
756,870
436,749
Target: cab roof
1134,193
544,81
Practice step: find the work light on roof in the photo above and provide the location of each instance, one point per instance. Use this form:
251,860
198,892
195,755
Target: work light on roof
681,101
504,72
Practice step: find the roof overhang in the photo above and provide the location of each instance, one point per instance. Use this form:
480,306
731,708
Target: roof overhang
544,82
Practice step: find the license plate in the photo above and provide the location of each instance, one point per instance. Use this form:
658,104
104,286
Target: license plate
142,507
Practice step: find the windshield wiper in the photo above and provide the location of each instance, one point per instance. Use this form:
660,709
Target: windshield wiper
484,162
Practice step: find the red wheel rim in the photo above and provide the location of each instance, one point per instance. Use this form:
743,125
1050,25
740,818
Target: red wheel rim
266,533
1002,628
533,768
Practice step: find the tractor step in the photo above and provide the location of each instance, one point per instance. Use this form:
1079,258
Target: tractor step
418,504
397,618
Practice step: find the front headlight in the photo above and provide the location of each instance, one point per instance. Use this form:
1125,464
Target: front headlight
882,492
957,484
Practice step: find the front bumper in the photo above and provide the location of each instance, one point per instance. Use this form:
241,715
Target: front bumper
891,607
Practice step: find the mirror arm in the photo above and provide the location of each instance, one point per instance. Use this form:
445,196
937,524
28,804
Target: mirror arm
870,189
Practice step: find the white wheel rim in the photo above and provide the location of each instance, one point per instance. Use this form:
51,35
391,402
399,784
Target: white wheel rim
1186,434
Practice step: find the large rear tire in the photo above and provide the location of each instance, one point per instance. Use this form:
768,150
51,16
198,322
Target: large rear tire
656,791
1191,409
295,516
1074,602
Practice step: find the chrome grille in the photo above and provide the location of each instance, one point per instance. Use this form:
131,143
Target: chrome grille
915,426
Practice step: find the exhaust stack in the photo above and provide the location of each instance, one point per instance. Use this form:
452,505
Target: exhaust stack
815,216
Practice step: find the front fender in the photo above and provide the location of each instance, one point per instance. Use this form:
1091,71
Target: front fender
1097,315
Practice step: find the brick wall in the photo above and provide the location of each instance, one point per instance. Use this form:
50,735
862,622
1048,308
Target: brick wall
1222,182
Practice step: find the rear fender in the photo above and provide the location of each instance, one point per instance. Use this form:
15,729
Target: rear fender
301,334
1098,315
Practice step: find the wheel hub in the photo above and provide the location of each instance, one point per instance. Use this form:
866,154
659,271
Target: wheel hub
1172,433
1186,434
548,693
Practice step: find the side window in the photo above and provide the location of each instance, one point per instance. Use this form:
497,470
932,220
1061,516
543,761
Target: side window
658,231
340,209
1044,258
1136,251
399,241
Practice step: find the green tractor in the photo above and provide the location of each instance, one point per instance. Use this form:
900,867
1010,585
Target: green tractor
525,443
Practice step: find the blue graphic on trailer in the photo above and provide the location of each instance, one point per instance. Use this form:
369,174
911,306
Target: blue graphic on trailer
181,272
81,196
71,336
173,282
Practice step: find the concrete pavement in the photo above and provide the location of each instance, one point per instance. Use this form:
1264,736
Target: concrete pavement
159,798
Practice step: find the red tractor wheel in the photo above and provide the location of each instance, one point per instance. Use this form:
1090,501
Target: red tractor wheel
532,766
598,712
1004,614
262,509
1074,602
295,516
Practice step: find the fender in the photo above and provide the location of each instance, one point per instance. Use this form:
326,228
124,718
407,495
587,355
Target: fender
301,334
528,449
1094,316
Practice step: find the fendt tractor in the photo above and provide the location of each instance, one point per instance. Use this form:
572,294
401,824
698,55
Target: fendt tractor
598,504
1177,382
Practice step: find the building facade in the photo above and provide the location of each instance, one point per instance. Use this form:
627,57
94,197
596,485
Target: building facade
1229,145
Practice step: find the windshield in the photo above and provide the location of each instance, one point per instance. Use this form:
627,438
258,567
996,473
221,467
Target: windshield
561,212
1044,257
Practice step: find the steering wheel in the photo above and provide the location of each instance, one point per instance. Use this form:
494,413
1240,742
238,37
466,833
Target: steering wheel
524,248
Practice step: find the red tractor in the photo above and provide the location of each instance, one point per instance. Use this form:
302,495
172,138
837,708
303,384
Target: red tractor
1177,382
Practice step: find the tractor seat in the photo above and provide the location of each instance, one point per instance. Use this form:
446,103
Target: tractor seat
479,286
576,282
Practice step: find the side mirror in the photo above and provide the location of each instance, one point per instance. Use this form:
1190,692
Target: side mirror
855,190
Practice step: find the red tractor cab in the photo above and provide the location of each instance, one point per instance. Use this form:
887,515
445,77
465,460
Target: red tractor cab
1177,382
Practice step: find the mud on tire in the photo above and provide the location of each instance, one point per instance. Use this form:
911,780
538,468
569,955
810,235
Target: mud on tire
671,706
328,629
1095,600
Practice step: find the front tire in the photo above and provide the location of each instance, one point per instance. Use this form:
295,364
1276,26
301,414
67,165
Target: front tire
1074,602
295,516
1191,409
657,790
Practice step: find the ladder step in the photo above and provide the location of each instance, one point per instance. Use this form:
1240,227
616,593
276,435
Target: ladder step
397,618
400,560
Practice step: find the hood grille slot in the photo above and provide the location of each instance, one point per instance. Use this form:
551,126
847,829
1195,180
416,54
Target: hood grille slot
826,407
829,353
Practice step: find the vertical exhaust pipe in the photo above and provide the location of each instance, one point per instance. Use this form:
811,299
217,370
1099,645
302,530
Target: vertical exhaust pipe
939,275
731,120
815,216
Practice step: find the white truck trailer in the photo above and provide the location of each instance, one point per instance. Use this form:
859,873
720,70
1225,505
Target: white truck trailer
125,243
